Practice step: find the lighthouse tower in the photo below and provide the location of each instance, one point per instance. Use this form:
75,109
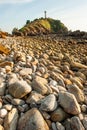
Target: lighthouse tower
45,14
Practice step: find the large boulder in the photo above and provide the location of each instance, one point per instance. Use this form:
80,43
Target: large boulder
32,120
69,103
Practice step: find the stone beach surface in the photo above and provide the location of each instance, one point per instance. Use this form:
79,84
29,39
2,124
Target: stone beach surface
43,83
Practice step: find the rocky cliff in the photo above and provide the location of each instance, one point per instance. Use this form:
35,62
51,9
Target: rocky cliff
41,26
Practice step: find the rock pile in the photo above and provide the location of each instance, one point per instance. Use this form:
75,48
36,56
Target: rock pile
43,85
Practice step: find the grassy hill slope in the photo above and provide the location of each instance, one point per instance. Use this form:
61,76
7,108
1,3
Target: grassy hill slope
41,26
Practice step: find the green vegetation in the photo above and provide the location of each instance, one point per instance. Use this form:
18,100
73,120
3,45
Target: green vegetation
43,26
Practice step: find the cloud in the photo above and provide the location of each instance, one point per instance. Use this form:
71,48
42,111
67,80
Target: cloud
14,1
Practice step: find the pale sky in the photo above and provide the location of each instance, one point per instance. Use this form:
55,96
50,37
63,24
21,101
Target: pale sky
14,13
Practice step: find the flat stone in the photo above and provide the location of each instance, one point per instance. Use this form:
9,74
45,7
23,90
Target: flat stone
34,97
78,65
67,124
17,101
19,56
69,103
3,113
76,124
19,88
57,77
77,82
84,108
1,127
0,104
1,121
49,103
39,85
8,98
8,107
53,83
84,121
77,92
5,63
45,115
32,120
61,88
25,71
42,70
59,126
58,115
8,69
10,122
2,89
54,126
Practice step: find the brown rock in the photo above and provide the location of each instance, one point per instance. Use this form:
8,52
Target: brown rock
40,85
76,124
58,115
78,65
10,122
34,97
19,56
1,127
25,71
19,88
4,50
77,82
78,93
5,63
69,103
32,120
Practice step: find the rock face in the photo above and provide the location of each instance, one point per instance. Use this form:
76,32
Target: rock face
19,88
32,120
69,103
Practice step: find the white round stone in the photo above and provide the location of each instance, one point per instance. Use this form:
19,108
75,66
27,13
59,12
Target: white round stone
3,113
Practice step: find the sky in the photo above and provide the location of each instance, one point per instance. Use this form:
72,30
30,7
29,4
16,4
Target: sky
15,13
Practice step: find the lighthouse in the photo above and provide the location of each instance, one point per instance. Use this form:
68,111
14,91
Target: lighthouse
45,14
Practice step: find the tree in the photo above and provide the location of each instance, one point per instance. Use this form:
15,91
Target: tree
28,21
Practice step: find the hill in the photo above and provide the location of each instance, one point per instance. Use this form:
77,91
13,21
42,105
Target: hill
41,26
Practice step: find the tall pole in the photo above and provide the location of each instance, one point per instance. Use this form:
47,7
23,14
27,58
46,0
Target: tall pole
45,13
